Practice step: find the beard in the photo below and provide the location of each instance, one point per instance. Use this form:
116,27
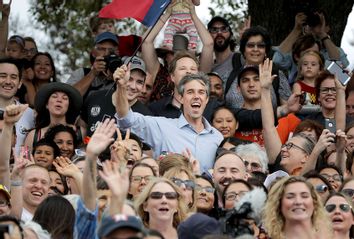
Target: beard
220,47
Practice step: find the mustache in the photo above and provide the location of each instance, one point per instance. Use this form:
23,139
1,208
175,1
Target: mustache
225,180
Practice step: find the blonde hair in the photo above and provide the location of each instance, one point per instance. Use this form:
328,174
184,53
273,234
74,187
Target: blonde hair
172,160
301,61
141,200
273,219
172,172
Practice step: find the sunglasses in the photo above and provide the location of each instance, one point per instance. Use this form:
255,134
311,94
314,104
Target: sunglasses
343,207
189,184
207,189
168,195
349,192
335,177
322,188
222,29
254,44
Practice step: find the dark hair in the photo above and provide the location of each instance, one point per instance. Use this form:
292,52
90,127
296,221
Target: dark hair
247,184
322,76
308,124
256,31
53,131
56,215
63,181
16,62
47,142
101,184
315,174
302,44
9,218
339,171
50,60
223,107
30,39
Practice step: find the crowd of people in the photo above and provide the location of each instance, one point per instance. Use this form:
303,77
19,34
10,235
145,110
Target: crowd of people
254,141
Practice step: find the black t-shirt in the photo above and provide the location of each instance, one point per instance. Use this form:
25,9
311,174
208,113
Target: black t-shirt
98,107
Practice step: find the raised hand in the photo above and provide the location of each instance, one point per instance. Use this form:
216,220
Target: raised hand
117,181
102,137
265,74
13,113
341,140
194,162
65,167
121,75
21,161
120,151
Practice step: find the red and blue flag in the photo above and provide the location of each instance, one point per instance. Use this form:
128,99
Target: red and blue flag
145,11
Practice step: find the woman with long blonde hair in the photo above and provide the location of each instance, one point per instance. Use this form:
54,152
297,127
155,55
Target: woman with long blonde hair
295,210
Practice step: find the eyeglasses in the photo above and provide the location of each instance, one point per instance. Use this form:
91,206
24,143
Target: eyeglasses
290,145
335,177
343,207
254,165
4,203
207,189
349,192
30,51
326,90
159,195
138,179
189,184
222,29
322,188
231,196
254,44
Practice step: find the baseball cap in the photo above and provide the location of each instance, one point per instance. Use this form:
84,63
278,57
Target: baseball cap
197,226
218,19
106,36
136,64
118,221
6,191
246,68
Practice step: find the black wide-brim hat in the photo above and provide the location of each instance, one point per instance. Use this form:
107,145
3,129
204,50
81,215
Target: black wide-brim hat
42,96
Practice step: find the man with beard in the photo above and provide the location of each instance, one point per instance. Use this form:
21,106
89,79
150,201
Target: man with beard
228,166
224,45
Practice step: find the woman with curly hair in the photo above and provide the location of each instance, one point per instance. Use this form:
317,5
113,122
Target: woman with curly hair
295,210
161,207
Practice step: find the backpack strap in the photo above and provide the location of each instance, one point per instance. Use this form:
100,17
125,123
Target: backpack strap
236,67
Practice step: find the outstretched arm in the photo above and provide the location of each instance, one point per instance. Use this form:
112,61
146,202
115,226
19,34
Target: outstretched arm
11,115
148,49
100,140
4,26
272,140
206,58
121,76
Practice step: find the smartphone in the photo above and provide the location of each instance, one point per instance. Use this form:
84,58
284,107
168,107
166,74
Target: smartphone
337,70
330,124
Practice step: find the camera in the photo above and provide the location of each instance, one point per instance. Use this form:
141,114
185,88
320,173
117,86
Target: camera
113,61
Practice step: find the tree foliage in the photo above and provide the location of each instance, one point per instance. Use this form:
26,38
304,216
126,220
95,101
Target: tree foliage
67,24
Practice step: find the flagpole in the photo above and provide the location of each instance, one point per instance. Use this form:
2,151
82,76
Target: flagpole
142,41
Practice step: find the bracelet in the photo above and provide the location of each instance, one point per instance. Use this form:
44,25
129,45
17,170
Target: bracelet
16,183
325,38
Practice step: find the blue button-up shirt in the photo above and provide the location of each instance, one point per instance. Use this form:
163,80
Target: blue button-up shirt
174,135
